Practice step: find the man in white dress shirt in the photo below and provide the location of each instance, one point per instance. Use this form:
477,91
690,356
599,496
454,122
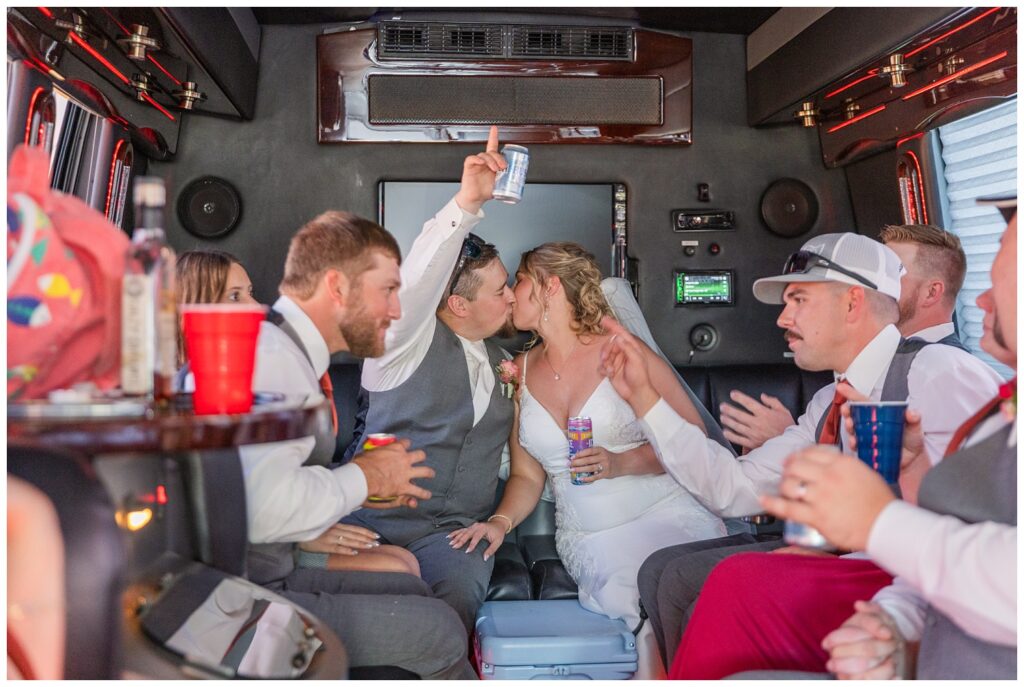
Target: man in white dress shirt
339,293
436,384
955,554
935,267
841,294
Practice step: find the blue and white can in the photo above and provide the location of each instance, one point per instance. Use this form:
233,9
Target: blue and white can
799,534
509,184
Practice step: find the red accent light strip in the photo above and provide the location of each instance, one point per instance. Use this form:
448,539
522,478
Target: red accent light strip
956,75
110,182
169,75
46,11
908,138
863,115
31,110
161,495
102,60
155,104
871,74
116,21
920,186
950,33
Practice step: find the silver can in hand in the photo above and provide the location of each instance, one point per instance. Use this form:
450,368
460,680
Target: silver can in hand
799,534
509,184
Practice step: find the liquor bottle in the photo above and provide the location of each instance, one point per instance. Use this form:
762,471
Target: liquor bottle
149,321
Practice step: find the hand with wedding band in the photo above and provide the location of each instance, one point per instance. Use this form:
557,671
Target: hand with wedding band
596,460
348,540
836,494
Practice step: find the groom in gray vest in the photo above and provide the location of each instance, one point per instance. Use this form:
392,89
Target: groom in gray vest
954,554
436,385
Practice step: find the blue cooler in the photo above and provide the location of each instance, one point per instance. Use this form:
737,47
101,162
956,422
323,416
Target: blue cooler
551,640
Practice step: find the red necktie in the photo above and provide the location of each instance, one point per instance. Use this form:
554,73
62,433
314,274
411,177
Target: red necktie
830,430
1005,391
328,389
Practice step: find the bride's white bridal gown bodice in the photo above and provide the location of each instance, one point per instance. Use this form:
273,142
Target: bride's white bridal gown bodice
605,530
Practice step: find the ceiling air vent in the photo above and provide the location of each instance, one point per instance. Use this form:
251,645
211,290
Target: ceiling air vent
571,42
427,39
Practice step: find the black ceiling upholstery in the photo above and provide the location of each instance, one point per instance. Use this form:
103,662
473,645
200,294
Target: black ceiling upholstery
741,20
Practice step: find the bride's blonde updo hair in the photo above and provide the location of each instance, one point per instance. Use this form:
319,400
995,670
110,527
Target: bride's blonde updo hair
581,279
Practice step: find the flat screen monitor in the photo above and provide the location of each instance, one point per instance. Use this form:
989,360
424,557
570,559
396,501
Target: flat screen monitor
582,213
704,287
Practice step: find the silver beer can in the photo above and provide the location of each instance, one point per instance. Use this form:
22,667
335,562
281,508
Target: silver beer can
509,184
798,534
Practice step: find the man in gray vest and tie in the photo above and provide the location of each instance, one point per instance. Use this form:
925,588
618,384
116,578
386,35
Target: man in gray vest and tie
437,385
935,268
840,294
954,554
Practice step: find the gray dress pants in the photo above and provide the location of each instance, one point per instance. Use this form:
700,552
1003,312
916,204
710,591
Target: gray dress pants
384,619
670,581
458,578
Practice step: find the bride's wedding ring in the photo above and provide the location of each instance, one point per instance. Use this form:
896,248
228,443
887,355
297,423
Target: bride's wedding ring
600,468
801,490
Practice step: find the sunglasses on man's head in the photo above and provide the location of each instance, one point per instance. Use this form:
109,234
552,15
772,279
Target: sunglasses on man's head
802,261
472,246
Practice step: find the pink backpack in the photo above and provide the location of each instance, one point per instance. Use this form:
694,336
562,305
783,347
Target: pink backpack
64,267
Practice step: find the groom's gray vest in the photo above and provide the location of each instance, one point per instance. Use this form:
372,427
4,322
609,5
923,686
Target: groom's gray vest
268,563
434,408
976,484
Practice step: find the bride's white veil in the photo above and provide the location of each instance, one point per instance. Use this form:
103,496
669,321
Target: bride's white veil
619,295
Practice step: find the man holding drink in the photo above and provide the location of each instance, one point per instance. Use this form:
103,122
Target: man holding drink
841,295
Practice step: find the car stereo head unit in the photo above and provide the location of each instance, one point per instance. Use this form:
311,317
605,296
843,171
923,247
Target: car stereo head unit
704,287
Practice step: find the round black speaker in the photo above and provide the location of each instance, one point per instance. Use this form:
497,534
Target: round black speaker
209,207
789,207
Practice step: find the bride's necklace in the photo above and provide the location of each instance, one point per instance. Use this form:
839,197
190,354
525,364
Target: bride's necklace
558,375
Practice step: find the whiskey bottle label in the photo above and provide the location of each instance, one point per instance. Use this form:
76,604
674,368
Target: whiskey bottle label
137,336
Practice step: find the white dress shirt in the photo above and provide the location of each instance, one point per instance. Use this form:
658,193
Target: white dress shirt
936,333
967,571
285,501
425,274
945,384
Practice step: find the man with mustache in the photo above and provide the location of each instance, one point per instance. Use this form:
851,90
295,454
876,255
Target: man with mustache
437,385
935,264
841,295
954,554
340,293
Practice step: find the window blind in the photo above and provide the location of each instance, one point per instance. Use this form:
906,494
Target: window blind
979,156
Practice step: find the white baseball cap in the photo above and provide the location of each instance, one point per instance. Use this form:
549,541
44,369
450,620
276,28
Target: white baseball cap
847,258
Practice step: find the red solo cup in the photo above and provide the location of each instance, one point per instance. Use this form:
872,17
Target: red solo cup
221,344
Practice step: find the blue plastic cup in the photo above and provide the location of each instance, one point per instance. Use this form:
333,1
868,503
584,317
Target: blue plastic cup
879,429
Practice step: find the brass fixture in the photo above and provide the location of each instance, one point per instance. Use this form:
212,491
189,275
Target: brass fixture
77,26
188,95
950,64
808,114
896,71
142,86
850,108
138,43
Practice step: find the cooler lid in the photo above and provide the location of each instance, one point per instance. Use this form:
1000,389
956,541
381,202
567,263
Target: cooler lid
550,632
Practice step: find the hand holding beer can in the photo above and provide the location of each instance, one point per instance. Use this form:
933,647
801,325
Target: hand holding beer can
581,436
372,442
509,184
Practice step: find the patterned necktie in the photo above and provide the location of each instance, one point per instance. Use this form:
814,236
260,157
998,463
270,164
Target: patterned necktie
830,430
1006,391
328,388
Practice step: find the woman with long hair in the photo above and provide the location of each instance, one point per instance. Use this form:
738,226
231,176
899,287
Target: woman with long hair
214,276
627,508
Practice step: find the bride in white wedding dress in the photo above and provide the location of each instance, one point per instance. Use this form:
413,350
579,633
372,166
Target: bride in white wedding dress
629,508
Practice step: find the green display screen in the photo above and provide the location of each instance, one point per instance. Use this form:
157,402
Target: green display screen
704,288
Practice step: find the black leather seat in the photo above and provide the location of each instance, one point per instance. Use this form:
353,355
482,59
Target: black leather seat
94,558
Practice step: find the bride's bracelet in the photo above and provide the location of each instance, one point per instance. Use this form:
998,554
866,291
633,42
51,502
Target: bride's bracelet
505,517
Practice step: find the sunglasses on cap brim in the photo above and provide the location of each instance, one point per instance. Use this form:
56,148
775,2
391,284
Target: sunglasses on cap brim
802,261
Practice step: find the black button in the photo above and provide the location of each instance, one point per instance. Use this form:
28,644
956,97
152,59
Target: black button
690,251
